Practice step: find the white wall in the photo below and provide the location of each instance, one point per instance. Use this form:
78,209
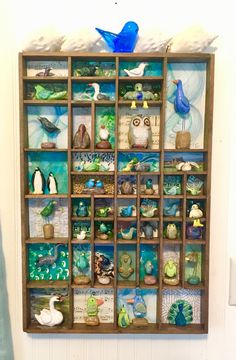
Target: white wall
19,19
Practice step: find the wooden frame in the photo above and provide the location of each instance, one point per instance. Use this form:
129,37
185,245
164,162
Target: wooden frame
159,326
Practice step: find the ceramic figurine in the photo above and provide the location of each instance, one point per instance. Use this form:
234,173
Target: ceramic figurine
194,232
97,94
192,259
81,235
127,187
171,210
127,234
196,214
125,268
93,166
38,182
88,70
48,229
102,232
180,313
82,264
141,166
140,132
194,185
139,310
171,231
41,93
92,318
104,268
93,186
138,71
46,72
103,211
123,318
148,229
139,94
127,211
124,41
187,166
90,184
52,184
170,273
48,126
104,136
172,189
81,138
82,210
148,211
149,279
48,259
51,317
149,187
99,184
130,165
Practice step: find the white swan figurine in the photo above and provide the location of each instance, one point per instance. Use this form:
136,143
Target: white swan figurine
52,316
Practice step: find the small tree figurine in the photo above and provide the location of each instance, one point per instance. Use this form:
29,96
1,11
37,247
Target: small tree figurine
48,229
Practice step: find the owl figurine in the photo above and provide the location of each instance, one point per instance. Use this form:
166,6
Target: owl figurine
140,132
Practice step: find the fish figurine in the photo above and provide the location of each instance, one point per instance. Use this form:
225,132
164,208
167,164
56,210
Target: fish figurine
124,41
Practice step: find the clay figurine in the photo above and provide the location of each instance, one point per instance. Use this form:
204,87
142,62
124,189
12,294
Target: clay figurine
104,268
127,211
186,165
93,186
192,259
149,279
138,71
123,318
51,130
48,229
97,94
196,214
41,93
102,232
82,210
170,273
148,211
46,72
139,94
139,310
38,182
171,231
81,138
180,313
104,136
92,318
52,184
81,235
194,185
140,132
148,229
127,234
125,268
127,187
103,211
51,317
48,259
149,187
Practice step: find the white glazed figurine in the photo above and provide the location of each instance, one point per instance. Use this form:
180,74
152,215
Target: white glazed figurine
187,165
97,94
81,235
38,181
52,184
138,71
104,133
196,214
52,316
140,132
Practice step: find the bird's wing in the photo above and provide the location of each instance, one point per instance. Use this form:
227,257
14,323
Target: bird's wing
185,101
135,72
109,37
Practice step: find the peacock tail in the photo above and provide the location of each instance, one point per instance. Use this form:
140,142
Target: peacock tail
186,313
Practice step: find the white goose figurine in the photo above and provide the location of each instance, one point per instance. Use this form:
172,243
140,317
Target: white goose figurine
97,94
138,71
52,316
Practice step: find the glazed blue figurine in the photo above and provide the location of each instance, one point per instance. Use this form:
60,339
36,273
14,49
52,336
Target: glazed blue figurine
181,103
82,209
139,306
90,184
127,211
124,41
99,184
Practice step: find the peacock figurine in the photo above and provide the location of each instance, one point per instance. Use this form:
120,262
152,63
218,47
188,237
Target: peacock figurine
180,313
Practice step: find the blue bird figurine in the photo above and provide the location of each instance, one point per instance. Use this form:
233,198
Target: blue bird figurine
139,306
90,184
99,184
127,211
125,41
181,103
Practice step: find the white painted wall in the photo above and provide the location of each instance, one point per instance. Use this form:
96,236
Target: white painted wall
17,20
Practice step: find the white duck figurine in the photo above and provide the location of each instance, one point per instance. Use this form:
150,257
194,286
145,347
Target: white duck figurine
138,71
81,235
187,165
97,94
127,235
103,133
148,212
52,316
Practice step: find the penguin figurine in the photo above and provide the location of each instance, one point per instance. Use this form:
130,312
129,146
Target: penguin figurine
52,184
38,182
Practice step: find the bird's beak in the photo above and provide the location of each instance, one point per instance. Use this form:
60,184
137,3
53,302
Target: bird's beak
130,301
89,84
100,302
175,81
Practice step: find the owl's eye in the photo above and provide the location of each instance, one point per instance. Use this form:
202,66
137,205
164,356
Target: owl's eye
136,122
146,122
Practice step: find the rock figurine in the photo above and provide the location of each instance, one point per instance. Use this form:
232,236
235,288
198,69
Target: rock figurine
81,138
140,132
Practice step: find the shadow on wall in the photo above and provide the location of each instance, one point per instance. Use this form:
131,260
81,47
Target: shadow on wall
6,348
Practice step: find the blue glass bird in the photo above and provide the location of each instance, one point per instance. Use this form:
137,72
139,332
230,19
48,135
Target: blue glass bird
124,41
181,103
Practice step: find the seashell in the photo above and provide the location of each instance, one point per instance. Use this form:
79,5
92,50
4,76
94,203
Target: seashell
46,39
82,41
152,41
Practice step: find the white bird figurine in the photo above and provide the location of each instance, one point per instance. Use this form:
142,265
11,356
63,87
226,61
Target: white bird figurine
187,165
52,316
97,94
138,71
81,235
196,214
192,39
104,133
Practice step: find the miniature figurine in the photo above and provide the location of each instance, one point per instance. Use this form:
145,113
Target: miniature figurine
127,211
88,70
102,232
97,94
140,132
170,273
93,186
41,93
123,318
90,184
92,318
148,211
139,310
128,234
196,214
187,166
51,129
124,41
171,231
149,279
148,229
104,136
149,187
127,187
103,211
194,232
48,259
104,269
51,317
171,210
82,210
48,229
46,72
192,259
52,184
180,313
81,235
194,185
38,182
138,71
125,268
141,166
81,138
